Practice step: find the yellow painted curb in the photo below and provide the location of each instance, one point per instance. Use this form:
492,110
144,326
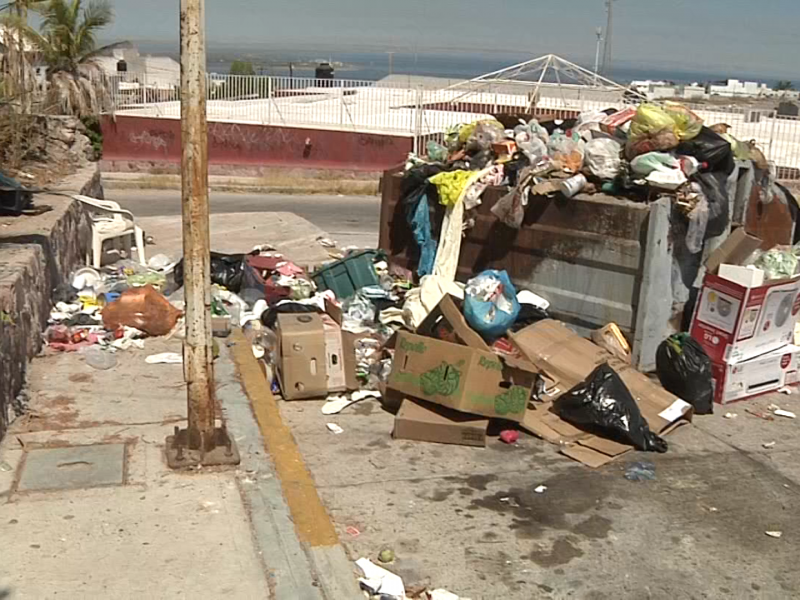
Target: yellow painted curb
313,524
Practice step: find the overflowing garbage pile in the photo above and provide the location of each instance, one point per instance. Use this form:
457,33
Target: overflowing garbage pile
639,153
105,311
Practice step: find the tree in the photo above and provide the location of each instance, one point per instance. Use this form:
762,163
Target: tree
241,67
784,86
16,65
68,46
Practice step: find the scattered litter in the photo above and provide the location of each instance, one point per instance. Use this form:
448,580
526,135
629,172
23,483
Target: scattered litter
5,467
386,555
509,436
730,415
337,404
352,531
769,444
779,412
640,471
334,428
378,580
168,358
100,359
759,414
774,534
326,242
713,509
785,390
541,489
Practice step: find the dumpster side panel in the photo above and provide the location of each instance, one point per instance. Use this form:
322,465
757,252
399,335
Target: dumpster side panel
585,255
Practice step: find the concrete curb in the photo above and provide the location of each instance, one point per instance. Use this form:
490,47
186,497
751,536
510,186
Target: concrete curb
313,527
255,185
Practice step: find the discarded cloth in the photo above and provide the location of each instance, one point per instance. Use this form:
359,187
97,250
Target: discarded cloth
421,226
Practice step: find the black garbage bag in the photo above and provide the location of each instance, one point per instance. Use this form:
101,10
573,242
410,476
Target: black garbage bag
684,369
270,316
603,404
226,270
709,147
528,315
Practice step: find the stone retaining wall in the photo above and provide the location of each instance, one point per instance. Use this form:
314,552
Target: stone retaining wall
37,254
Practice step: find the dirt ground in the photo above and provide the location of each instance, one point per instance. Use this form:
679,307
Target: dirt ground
469,520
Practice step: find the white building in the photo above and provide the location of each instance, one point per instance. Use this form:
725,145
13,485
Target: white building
734,87
153,72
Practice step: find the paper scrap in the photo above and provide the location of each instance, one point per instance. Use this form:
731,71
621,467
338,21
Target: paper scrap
441,594
784,413
730,415
785,390
334,428
675,411
774,534
541,489
768,444
168,358
378,580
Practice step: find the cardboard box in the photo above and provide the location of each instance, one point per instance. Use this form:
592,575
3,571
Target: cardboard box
734,321
426,422
310,361
349,340
611,123
459,377
760,375
446,322
566,359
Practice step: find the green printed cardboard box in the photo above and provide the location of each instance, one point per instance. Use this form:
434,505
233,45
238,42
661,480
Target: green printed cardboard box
465,379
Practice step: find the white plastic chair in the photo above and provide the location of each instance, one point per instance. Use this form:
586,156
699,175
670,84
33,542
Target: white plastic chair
109,221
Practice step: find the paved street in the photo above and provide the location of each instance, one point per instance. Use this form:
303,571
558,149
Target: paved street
350,220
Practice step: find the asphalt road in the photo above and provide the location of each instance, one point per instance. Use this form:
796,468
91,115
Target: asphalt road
347,219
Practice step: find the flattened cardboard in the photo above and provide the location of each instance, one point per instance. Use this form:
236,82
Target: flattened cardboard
302,358
568,359
348,347
425,422
736,248
447,323
334,355
459,377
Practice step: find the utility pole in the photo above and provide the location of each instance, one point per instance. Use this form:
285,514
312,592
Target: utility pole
609,35
391,62
599,33
201,443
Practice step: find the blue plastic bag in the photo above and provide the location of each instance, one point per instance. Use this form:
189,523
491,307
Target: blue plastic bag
490,304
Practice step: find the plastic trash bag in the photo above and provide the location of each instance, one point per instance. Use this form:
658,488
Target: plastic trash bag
650,120
698,223
226,270
687,124
143,308
645,164
710,148
567,152
436,152
490,304
604,404
602,159
778,263
660,141
684,369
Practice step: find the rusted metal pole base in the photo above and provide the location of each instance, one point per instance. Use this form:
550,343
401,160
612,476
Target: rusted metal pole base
222,452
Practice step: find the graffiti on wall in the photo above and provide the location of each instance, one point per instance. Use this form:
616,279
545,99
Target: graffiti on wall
231,136
156,139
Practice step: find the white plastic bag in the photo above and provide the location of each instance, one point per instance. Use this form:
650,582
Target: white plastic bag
698,222
603,159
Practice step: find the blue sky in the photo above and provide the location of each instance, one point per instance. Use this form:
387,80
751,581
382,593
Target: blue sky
692,35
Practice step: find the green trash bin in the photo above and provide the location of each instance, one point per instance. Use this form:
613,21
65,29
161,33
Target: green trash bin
348,275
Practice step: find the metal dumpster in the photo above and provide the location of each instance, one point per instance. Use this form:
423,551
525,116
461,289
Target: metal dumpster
596,258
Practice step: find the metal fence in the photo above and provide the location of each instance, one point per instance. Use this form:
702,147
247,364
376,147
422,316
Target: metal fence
420,113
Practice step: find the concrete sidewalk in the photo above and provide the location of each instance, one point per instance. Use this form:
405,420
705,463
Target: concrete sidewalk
88,508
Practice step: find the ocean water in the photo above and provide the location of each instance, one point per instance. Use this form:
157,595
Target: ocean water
375,65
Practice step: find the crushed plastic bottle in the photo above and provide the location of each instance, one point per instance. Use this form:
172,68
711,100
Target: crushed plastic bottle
100,359
640,471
